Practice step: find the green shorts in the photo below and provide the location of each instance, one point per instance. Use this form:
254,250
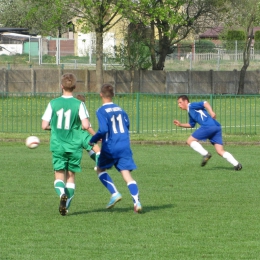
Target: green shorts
86,138
67,160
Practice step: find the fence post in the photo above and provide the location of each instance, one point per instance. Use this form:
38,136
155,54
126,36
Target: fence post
137,112
211,100
189,81
33,81
87,81
5,89
212,82
236,82
140,80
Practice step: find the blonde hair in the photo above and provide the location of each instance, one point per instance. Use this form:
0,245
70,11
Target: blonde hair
68,81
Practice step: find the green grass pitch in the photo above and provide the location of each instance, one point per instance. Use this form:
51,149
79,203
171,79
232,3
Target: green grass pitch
189,212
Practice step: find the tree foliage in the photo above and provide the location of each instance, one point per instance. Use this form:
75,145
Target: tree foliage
232,37
134,52
171,21
40,17
244,15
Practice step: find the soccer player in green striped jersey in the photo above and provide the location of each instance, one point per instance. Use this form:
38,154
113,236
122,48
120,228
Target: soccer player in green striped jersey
66,116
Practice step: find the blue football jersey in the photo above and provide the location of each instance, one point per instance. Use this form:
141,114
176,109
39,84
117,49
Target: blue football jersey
113,130
198,114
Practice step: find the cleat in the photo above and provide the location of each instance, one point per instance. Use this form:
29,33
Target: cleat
205,159
62,208
113,200
138,207
238,167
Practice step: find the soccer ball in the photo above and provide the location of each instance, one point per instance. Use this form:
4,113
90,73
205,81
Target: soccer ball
32,142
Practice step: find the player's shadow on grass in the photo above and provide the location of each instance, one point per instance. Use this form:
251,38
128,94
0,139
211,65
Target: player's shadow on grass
226,168
146,209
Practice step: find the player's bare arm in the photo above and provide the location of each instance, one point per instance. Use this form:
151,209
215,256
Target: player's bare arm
209,109
91,131
85,124
185,125
46,125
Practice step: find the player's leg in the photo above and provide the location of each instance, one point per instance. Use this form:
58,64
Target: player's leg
59,186
74,160
96,149
133,189
59,182
59,165
107,181
216,139
70,187
228,156
128,163
196,146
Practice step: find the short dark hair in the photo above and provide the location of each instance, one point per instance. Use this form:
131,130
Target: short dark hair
107,90
81,98
184,97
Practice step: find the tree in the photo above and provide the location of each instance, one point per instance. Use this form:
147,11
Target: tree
134,52
173,20
49,16
12,13
91,15
100,17
244,15
45,18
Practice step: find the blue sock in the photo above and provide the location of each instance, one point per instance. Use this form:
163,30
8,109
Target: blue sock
107,182
132,186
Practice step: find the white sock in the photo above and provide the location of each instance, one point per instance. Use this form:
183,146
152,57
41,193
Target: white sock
229,157
198,148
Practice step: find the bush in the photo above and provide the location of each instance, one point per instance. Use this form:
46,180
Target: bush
257,40
204,46
231,37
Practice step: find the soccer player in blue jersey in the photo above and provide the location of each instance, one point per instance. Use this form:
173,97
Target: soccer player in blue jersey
210,128
115,150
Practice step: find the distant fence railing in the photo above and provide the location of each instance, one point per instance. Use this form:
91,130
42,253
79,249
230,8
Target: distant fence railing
149,113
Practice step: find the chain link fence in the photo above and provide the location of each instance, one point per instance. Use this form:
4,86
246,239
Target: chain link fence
67,53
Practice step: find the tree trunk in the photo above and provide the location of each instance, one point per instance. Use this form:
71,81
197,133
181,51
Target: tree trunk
99,59
152,46
162,56
242,76
246,60
164,47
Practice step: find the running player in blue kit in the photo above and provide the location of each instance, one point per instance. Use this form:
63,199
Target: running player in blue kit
202,113
115,150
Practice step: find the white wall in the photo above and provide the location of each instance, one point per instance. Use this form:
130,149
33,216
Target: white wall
11,49
87,44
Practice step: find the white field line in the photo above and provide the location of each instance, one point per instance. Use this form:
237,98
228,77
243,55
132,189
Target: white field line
190,129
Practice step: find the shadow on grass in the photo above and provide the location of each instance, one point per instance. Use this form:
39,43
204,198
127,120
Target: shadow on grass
226,168
120,210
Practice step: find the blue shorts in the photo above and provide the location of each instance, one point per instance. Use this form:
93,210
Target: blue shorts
125,163
213,133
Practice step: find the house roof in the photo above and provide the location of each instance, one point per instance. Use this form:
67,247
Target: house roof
19,37
211,33
9,29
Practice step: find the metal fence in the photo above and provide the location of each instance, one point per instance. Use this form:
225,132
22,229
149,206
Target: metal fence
149,113
71,54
